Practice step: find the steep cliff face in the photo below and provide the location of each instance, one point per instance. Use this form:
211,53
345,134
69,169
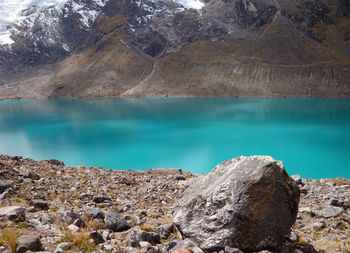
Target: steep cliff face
124,48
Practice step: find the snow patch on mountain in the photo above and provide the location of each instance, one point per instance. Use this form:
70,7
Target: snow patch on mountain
11,13
191,4
87,12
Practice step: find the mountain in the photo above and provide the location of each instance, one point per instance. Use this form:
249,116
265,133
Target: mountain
103,48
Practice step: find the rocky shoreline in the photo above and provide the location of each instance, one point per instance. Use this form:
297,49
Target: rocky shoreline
48,206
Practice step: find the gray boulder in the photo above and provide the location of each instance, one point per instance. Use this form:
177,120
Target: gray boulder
116,222
165,230
27,242
96,237
5,184
101,199
16,213
41,204
95,213
63,246
297,179
331,211
5,249
79,223
232,250
70,216
248,203
137,235
184,245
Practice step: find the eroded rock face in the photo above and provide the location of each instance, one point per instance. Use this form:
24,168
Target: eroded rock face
248,202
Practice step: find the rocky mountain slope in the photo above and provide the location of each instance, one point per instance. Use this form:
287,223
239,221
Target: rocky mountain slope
99,48
57,208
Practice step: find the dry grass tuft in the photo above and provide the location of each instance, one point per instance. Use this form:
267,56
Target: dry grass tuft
80,241
9,235
147,227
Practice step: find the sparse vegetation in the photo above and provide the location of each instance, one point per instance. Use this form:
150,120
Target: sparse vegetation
22,224
9,235
147,227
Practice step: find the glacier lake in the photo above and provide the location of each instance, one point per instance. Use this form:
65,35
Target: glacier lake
311,136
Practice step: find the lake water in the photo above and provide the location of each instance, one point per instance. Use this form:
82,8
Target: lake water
311,136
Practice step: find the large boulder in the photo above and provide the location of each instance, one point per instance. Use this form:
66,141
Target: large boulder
248,203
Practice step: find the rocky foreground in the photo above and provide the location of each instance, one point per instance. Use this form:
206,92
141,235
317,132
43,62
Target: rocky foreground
48,206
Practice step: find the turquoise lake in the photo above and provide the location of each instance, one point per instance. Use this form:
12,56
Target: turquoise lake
311,136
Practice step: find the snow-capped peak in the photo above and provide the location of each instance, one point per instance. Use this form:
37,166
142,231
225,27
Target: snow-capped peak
11,13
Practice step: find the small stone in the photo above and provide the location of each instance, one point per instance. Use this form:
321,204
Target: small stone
232,250
79,223
70,216
16,213
139,235
165,230
94,213
303,191
144,244
27,242
5,184
318,226
305,210
101,199
339,225
105,235
180,178
96,237
116,222
32,209
5,249
297,179
108,247
53,162
331,211
186,244
293,236
41,204
305,247
31,175
336,202
64,246
73,228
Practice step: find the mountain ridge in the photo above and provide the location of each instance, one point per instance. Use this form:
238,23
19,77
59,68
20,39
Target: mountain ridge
226,48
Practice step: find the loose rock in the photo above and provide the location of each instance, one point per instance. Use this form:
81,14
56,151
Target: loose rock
96,237
116,222
331,211
27,242
5,184
95,213
139,235
41,204
64,246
